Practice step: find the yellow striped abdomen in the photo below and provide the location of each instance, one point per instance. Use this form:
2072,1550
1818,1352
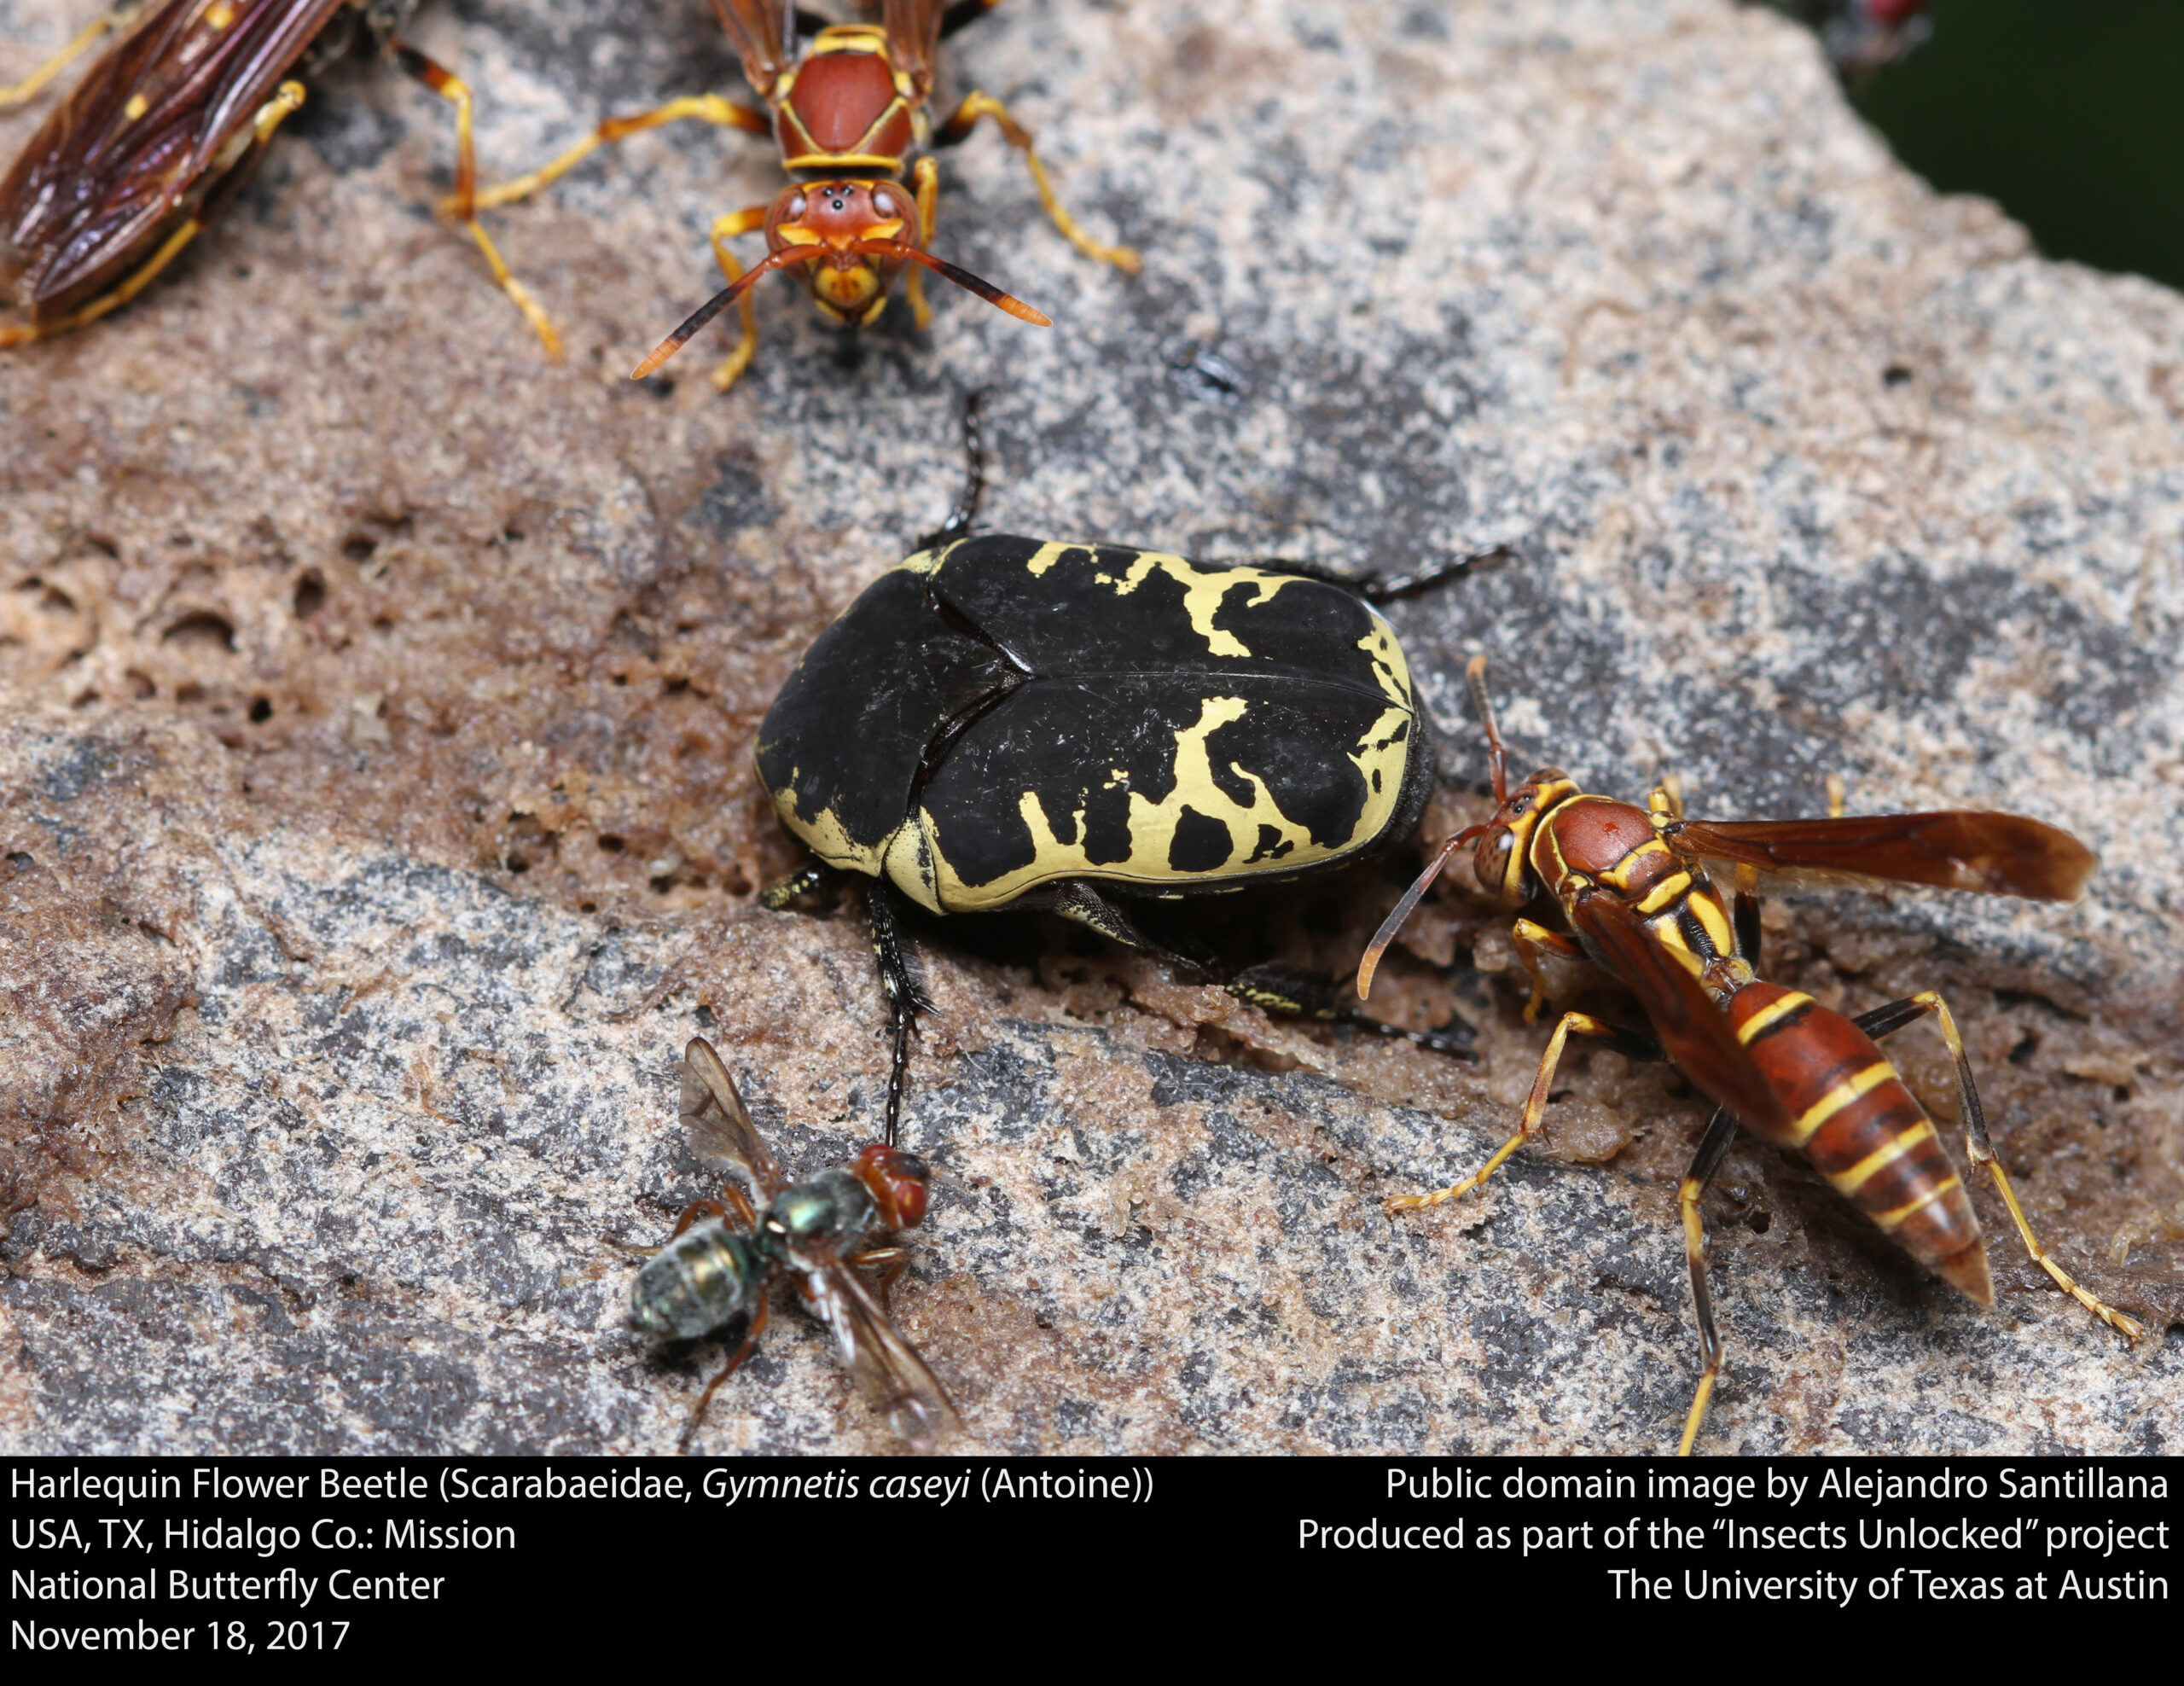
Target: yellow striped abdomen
1864,1130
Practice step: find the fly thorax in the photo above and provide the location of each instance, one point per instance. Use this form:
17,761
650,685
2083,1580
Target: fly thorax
705,1277
832,1206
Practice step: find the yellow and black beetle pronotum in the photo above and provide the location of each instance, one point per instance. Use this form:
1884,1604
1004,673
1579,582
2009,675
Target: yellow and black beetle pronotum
1022,723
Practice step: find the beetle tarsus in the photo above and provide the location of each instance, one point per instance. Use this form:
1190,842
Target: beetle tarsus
960,518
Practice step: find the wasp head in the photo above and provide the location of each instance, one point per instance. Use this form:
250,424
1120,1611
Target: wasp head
1502,858
896,1181
835,219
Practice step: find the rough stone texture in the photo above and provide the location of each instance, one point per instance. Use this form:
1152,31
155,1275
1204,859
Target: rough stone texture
378,816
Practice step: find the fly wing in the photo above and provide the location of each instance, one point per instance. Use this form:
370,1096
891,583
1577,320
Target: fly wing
914,39
719,1123
1998,854
887,1369
141,131
1696,1034
764,33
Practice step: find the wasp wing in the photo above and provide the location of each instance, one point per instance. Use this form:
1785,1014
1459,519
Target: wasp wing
1696,1034
145,134
720,1124
764,33
1998,854
913,39
887,1369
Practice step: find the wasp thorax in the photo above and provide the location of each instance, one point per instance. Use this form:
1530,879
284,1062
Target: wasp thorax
897,1181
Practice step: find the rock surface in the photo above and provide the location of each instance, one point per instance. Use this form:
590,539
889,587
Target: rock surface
376,817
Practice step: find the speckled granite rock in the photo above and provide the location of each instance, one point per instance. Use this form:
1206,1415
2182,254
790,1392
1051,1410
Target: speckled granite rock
376,818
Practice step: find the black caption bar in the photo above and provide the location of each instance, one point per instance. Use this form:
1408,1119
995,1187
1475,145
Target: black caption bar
273,1560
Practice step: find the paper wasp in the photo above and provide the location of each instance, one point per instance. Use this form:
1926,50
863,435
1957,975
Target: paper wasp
848,112
1633,888
723,1271
163,133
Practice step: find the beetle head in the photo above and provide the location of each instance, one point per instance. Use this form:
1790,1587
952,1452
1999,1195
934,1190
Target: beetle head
896,1181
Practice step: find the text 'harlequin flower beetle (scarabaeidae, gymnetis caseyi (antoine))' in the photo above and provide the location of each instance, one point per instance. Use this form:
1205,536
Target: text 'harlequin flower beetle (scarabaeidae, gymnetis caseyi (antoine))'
1029,725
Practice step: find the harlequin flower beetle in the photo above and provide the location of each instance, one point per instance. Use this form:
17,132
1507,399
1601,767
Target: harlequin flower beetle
1029,725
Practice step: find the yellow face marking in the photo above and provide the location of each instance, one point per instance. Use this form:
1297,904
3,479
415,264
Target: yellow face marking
1889,1220
1153,824
137,106
1764,1019
1665,892
797,234
1849,1181
1839,1097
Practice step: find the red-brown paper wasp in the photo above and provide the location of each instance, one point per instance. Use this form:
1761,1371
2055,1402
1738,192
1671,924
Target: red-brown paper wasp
848,112
722,1272
164,129
1632,886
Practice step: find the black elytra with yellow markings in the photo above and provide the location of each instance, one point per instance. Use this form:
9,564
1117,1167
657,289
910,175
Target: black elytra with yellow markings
1000,716
1002,723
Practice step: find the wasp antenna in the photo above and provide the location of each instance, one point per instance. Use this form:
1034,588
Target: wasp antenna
1393,922
963,278
719,302
1497,758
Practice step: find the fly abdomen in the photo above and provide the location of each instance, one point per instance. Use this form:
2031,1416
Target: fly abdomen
1864,1130
705,1277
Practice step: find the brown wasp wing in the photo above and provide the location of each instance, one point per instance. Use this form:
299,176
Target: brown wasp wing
140,137
719,1123
764,34
1998,854
887,1369
913,39
1695,1034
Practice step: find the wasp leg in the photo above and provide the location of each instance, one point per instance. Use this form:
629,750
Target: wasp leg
926,175
1556,963
1577,1024
270,116
1713,1147
736,1359
891,1262
1744,915
906,996
966,119
735,223
463,204
1373,589
703,107
711,1208
807,879
21,92
1897,1014
1312,995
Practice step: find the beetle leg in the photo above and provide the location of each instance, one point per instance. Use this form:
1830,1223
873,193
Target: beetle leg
1893,1017
725,229
703,107
1373,589
1074,898
1713,1147
974,481
1577,1024
1312,995
807,879
463,204
966,119
735,1361
906,996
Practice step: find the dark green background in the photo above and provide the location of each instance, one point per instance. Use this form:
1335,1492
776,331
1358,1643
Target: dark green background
2068,112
